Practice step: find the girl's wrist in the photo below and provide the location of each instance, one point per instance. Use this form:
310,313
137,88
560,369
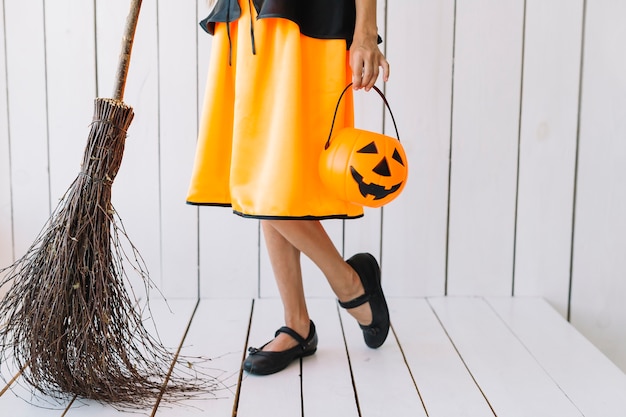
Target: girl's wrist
366,34
365,25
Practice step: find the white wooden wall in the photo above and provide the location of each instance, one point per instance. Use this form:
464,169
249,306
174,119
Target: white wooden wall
512,112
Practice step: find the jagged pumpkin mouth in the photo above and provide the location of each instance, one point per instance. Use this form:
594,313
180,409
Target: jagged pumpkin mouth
378,191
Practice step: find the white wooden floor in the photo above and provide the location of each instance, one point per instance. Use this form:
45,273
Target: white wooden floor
448,357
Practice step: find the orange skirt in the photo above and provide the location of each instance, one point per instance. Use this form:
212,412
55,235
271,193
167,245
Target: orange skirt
266,118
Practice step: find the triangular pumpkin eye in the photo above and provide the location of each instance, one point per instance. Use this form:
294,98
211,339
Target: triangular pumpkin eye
382,168
396,156
369,148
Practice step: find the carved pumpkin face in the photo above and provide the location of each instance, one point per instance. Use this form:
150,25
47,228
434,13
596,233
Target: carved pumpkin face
364,167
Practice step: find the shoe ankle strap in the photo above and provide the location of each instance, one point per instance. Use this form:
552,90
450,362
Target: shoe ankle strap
301,341
360,300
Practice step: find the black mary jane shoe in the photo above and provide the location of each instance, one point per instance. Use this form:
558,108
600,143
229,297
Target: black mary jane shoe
260,362
368,270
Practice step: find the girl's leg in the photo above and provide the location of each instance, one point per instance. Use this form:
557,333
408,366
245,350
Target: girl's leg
285,260
285,240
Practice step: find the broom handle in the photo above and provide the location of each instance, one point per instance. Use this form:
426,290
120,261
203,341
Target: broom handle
127,46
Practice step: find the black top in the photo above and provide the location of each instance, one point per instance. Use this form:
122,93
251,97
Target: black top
324,19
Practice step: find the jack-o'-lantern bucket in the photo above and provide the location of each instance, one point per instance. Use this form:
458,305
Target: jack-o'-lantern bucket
363,167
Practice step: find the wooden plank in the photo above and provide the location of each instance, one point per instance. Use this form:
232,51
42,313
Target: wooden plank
218,332
27,120
326,383
485,123
588,378
19,403
364,234
229,254
6,215
598,286
170,322
512,380
167,320
444,382
10,375
170,326
177,133
281,390
381,377
136,188
228,244
17,397
419,91
548,150
71,87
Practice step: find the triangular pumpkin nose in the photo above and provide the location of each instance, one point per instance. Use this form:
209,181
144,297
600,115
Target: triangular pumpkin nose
382,168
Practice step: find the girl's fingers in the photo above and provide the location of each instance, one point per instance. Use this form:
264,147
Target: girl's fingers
385,66
370,75
366,68
367,76
357,76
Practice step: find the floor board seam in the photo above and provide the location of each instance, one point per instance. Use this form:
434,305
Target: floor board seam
174,360
67,408
521,342
301,389
469,371
12,381
345,343
243,356
408,367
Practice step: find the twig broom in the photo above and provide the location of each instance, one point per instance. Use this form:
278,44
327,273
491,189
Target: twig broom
69,321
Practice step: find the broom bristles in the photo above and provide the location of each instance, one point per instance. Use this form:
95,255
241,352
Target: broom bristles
70,322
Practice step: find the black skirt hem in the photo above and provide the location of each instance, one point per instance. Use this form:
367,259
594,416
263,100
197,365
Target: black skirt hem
270,217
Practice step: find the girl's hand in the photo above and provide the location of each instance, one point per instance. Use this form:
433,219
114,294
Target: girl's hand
365,57
365,61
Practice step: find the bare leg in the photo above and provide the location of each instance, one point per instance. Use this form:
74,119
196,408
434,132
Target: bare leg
285,260
285,240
